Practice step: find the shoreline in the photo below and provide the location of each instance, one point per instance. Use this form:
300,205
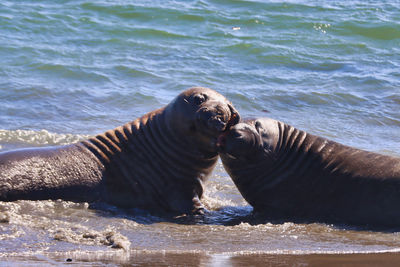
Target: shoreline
198,258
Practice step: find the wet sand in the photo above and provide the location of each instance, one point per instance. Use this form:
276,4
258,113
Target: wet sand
149,258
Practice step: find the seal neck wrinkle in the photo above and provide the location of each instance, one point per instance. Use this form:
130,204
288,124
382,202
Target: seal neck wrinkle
153,163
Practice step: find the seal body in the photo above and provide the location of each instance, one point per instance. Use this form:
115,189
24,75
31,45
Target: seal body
66,172
286,173
157,162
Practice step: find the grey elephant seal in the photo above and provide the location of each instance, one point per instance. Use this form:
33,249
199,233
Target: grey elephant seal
286,173
157,162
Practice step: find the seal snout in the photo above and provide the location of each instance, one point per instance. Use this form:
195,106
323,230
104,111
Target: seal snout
216,123
231,135
239,140
227,140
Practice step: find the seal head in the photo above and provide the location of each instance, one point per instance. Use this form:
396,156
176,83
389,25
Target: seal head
201,114
248,141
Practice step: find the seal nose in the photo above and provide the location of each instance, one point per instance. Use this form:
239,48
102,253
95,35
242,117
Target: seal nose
216,123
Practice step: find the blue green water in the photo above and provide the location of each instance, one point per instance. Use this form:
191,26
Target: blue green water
75,68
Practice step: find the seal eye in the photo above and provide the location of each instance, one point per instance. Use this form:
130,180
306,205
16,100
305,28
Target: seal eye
198,99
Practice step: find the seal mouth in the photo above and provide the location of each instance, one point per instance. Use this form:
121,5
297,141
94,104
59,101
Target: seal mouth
213,123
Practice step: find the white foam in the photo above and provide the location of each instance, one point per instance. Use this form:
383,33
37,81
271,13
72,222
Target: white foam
38,138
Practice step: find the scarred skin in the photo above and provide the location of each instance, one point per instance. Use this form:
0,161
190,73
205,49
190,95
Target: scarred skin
157,162
286,173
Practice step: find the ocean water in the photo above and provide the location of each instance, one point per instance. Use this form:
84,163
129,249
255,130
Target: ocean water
71,69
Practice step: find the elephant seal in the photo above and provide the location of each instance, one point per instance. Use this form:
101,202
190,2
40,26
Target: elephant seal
288,174
157,162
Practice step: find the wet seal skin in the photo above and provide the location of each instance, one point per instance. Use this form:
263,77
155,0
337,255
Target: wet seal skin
158,162
286,173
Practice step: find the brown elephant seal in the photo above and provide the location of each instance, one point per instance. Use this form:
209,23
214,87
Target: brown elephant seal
157,162
286,173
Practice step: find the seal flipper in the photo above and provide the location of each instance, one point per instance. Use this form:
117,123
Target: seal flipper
183,201
198,207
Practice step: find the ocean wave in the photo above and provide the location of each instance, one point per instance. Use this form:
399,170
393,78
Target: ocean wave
68,71
38,138
379,31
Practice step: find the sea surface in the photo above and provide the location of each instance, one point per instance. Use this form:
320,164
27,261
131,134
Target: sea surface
72,69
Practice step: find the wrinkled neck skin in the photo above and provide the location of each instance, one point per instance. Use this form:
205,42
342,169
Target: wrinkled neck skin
280,164
151,166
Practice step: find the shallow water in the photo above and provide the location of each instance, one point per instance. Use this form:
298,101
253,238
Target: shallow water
71,69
